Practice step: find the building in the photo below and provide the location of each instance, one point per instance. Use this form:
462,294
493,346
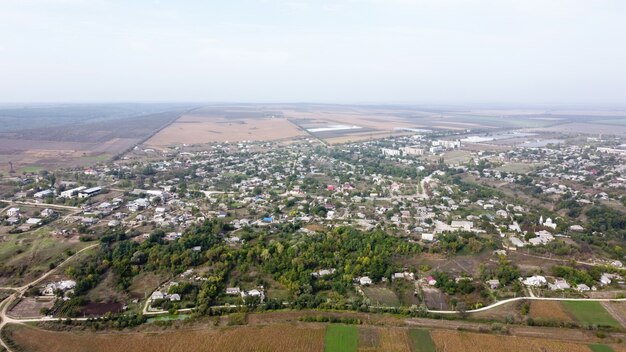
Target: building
412,150
43,194
535,281
13,212
90,192
70,193
390,152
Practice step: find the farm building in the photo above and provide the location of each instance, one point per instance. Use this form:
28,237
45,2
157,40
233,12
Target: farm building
90,192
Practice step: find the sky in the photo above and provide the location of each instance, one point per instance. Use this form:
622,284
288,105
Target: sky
341,51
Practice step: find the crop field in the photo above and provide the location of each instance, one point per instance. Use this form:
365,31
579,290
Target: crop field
341,338
590,313
264,338
601,348
381,296
200,128
25,256
448,341
421,341
549,311
71,136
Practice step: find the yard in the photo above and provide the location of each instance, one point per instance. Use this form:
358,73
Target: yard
381,296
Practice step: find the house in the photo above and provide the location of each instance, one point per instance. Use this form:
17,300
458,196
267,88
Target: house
364,281
174,297
157,295
543,237
493,284
13,212
516,242
33,221
323,272
62,286
13,220
459,224
48,213
233,291
535,281
428,237
582,288
559,284
404,275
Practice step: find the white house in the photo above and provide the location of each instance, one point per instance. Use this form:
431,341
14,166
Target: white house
364,281
535,281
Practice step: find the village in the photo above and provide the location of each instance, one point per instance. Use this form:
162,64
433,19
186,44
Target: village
480,241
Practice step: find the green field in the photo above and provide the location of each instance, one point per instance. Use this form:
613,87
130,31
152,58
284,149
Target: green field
341,338
590,313
421,341
381,296
600,348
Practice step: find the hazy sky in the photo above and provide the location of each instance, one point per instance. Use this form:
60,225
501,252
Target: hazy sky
363,51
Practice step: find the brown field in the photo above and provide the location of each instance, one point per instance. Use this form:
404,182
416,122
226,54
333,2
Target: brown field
199,129
30,307
308,337
549,311
447,341
76,145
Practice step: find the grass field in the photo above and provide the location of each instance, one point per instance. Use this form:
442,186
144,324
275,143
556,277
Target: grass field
591,313
421,341
341,338
600,348
27,255
381,296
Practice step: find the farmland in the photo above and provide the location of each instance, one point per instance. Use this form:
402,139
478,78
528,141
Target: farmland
48,137
421,341
590,313
447,341
341,338
283,336
264,338
549,311
198,128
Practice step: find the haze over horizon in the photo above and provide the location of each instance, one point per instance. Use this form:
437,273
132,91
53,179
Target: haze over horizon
344,51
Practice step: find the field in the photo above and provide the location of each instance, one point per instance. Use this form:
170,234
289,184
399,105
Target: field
25,256
47,137
447,341
265,338
549,311
278,332
617,310
600,348
30,307
341,338
421,341
590,313
381,296
198,128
